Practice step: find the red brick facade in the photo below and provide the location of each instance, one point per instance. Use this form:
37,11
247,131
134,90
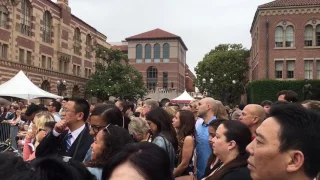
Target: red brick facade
43,45
179,77
268,58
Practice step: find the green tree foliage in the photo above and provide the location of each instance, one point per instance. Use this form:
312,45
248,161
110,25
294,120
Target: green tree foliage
227,65
260,90
114,76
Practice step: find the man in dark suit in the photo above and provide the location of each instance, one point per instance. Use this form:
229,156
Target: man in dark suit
76,141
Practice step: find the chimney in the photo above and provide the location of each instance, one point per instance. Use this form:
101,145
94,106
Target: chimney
63,2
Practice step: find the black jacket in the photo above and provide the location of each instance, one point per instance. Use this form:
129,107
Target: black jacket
51,145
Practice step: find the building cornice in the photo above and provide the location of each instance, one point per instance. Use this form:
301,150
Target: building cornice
284,11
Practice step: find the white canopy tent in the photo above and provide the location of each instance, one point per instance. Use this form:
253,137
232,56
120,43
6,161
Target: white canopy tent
20,86
184,98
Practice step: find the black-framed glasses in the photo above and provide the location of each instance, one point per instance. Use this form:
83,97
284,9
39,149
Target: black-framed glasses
95,128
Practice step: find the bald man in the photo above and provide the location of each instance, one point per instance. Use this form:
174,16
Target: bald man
205,109
252,116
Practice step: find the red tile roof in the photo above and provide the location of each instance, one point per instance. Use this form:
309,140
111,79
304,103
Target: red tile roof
121,47
290,3
156,34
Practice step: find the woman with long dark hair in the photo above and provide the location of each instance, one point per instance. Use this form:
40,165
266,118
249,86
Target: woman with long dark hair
164,135
106,144
3,113
213,160
229,146
184,124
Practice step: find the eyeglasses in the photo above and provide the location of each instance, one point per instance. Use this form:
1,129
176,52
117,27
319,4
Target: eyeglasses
67,110
106,128
95,128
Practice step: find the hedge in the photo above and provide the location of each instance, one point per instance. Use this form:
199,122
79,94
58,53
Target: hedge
260,90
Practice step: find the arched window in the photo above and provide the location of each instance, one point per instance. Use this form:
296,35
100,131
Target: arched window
279,36
139,53
25,17
308,35
46,34
166,52
88,44
147,53
289,36
156,53
77,41
3,16
318,35
88,40
152,78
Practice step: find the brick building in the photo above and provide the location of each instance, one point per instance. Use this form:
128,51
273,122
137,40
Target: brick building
161,58
286,40
48,43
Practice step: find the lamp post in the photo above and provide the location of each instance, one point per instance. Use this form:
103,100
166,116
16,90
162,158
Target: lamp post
61,86
204,81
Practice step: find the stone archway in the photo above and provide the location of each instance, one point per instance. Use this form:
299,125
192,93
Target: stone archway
45,85
75,91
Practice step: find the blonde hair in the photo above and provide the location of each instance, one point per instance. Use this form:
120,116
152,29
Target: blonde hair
220,111
41,118
171,111
138,127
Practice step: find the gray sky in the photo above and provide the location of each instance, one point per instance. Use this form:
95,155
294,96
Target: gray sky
202,24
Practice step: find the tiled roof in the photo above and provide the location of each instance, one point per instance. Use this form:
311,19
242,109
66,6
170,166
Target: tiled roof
290,3
121,47
156,34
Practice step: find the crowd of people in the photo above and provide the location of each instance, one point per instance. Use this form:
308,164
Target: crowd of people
203,140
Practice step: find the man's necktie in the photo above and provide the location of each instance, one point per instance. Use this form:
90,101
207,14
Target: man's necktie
69,141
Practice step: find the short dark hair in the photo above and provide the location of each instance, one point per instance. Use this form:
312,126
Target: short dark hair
130,106
241,106
299,130
81,105
140,155
65,99
57,105
32,109
266,103
289,95
99,109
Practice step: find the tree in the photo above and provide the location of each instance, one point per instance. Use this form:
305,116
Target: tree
114,76
228,66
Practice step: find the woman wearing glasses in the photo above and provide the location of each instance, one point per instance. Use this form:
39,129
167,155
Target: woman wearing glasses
106,144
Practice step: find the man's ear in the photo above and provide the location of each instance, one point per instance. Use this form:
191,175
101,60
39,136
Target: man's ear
295,161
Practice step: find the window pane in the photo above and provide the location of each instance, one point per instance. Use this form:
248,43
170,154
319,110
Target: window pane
43,62
290,69
4,52
308,35
318,69
156,52
139,51
279,65
49,63
289,36
21,55
279,37
147,55
28,57
318,35
308,69
166,51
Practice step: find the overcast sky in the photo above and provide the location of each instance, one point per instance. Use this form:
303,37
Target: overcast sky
202,24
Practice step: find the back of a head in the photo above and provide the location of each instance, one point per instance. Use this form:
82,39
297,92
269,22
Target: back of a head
113,116
146,158
221,111
239,132
151,103
289,95
266,103
11,164
99,109
32,109
57,105
81,105
299,130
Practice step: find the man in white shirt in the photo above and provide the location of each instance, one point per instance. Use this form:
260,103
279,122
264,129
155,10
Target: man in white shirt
54,108
73,142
